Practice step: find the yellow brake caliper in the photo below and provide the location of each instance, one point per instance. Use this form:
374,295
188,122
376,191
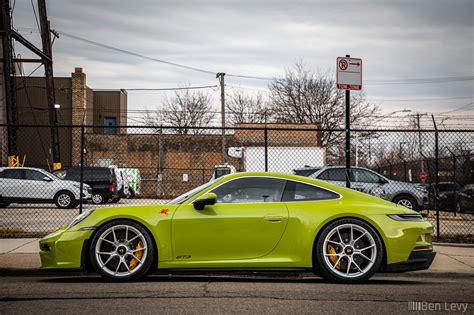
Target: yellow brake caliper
138,254
332,250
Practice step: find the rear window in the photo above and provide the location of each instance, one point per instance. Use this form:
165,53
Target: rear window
295,191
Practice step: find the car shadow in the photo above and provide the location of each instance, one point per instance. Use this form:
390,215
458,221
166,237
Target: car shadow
92,278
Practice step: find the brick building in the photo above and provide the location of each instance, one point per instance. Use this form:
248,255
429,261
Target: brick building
78,103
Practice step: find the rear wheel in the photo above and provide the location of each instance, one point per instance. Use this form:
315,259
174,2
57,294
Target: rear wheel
348,251
406,201
65,200
122,251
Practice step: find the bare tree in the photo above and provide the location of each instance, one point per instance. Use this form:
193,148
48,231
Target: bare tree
243,108
185,110
302,96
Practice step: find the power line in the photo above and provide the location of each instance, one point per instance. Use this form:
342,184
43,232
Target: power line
366,82
422,99
135,54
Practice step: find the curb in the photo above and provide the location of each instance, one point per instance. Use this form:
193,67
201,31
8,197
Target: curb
465,245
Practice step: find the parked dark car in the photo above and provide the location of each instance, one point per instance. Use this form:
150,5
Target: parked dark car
447,195
102,180
465,203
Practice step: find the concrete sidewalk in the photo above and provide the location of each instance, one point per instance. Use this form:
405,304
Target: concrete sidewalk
24,254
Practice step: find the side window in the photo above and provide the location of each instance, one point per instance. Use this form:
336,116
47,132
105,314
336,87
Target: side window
14,174
250,190
337,174
364,176
324,175
33,175
302,192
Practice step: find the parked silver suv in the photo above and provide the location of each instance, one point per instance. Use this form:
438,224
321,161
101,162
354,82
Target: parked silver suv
412,196
34,185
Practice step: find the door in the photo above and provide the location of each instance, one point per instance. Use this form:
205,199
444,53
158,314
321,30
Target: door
12,183
247,221
368,182
37,187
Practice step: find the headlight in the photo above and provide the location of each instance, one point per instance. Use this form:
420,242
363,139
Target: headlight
80,217
406,217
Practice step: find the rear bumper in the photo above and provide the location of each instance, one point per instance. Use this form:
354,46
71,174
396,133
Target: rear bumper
418,260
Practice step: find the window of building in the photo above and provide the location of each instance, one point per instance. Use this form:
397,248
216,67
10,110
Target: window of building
110,123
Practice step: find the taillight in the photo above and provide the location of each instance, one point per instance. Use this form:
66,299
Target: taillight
111,188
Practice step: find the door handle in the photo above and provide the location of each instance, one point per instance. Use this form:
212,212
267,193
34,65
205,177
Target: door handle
273,218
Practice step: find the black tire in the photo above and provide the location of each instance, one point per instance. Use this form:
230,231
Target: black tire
459,208
321,266
65,200
406,199
145,267
132,193
4,204
98,198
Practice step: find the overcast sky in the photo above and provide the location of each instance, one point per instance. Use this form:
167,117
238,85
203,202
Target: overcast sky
396,40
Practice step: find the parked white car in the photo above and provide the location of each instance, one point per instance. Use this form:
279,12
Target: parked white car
34,185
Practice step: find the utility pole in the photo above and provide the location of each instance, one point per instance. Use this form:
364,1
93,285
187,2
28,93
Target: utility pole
48,71
348,137
9,82
419,140
220,76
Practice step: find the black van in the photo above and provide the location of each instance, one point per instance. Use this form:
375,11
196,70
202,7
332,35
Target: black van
101,179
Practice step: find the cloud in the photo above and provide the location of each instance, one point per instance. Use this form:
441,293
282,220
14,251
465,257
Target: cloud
396,39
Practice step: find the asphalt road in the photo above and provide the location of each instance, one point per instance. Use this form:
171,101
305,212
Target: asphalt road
243,293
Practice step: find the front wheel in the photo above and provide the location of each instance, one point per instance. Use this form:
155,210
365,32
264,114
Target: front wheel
122,251
98,198
348,251
406,201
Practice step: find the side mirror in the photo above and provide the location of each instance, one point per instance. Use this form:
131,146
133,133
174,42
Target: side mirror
47,179
206,199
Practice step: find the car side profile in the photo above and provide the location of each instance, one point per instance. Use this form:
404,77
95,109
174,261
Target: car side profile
251,221
34,185
409,195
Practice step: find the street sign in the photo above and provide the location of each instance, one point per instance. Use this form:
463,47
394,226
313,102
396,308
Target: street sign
349,73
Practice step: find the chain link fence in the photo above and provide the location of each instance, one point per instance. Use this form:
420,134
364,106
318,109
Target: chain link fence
430,171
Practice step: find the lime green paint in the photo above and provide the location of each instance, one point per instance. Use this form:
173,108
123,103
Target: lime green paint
276,234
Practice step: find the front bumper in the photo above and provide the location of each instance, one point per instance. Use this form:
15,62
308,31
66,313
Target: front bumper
63,249
418,260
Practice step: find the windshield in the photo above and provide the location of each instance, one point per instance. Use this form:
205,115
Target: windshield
189,194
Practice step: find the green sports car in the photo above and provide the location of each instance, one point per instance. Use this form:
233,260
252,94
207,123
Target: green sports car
247,221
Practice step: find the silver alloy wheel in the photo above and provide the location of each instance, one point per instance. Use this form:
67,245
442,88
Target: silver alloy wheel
406,203
64,200
353,250
116,248
97,199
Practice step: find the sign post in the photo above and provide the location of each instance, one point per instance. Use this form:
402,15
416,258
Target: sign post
349,77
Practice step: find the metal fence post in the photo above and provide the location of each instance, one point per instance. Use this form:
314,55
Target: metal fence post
82,170
266,148
436,177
